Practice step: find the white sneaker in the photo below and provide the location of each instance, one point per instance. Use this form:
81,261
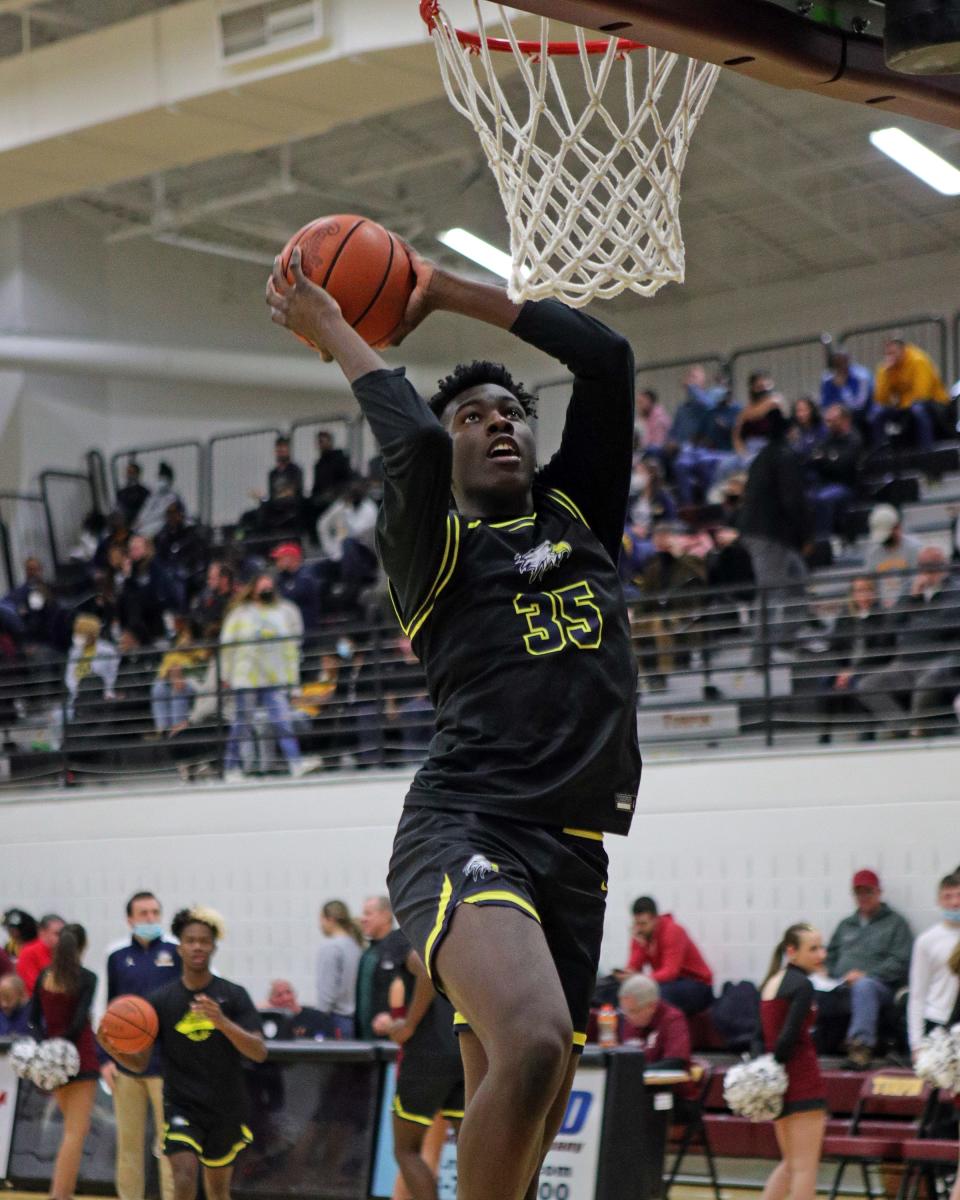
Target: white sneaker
305,766
233,776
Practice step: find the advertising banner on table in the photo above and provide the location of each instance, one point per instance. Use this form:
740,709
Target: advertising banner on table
569,1171
8,1106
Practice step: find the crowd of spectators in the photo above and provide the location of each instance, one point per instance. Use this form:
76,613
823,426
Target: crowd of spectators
275,634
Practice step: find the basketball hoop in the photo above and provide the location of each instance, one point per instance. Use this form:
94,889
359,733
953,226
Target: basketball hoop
588,218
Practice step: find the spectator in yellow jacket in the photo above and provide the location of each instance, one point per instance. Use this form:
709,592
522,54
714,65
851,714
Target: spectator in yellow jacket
907,378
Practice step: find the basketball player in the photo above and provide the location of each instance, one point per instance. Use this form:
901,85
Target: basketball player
514,606
208,1026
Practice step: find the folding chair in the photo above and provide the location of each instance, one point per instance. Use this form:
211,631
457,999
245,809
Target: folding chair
689,1121
927,1157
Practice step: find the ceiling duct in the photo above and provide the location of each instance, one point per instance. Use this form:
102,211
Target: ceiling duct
251,29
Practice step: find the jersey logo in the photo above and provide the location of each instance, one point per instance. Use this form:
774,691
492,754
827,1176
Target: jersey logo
163,959
625,801
478,868
542,558
194,1026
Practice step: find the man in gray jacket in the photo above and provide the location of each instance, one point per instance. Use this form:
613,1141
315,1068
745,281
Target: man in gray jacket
870,953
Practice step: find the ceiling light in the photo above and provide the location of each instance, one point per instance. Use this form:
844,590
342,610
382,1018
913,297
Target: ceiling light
915,157
477,250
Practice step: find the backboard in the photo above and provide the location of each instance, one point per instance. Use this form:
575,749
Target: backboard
833,49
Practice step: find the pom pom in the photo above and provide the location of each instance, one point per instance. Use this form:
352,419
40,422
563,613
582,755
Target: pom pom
755,1089
54,1064
22,1054
938,1059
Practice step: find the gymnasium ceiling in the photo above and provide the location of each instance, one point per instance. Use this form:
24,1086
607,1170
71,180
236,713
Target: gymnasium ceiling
779,185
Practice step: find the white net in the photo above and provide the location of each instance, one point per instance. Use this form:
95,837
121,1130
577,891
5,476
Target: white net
591,187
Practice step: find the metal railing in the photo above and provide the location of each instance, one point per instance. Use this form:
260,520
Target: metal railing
731,667
928,331
237,463
68,498
185,458
24,519
796,365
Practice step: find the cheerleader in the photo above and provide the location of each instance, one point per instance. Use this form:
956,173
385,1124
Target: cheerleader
787,1013
61,1009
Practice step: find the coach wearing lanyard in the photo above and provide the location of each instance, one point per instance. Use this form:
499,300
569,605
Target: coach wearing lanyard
138,968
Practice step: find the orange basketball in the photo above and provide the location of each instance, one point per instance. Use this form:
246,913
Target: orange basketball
362,265
130,1024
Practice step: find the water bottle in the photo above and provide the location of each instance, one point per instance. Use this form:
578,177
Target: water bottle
607,1026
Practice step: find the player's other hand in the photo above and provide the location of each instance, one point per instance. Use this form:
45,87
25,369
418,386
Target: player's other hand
422,298
108,1073
205,1007
302,307
381,1024
400,1032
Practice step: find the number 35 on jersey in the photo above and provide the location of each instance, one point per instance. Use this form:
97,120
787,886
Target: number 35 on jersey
566,617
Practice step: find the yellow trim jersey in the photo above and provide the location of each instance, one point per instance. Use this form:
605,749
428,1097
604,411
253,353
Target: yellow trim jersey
520,621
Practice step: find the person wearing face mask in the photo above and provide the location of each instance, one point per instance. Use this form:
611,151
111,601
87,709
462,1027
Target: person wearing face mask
139,967
935,988
260,663
90,656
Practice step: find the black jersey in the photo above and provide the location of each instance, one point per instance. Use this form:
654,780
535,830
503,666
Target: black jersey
520,623
202,1069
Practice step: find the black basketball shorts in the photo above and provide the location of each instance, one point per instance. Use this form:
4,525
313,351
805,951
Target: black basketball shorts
557,877
215,1139
426,1086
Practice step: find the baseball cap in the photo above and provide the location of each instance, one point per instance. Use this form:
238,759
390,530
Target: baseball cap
286,548
884,518
866,879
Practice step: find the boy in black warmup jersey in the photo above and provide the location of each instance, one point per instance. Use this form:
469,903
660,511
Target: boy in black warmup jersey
514,606
207,1027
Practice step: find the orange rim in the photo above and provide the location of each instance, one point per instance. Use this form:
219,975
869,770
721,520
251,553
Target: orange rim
429,10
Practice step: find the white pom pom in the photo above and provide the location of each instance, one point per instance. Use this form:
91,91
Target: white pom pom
22,1054
55,1063
755,1089
938,1059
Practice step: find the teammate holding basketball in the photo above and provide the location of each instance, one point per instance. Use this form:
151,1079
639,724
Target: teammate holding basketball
207,1027
513,603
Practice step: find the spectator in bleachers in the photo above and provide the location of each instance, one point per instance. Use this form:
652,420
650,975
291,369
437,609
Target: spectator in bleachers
807,431
182,548
663,949
37,955
653,421
917,683
102,602
132,711
178,679
281,506
934,986
776,526
331,472
20,928
863,640
908,380
666,608
260,663
891,553
209,607
697,384
338,961
113,545
152,516
833,472
14,1006
91,656
753,426
696,466
850,384
720,422
408,715
45,626
296,583
91,531
869,953
650,503
346,533
148,593
132,496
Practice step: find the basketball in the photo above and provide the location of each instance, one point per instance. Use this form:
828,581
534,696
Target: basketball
362,265
130,1024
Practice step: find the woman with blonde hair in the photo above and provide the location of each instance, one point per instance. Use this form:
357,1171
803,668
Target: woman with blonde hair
787,1013
61,1009
338,961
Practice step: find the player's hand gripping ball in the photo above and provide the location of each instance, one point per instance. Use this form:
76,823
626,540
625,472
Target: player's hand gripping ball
129,1025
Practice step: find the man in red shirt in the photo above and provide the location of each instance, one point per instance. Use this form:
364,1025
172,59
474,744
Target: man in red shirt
38,954
665,951
660,1029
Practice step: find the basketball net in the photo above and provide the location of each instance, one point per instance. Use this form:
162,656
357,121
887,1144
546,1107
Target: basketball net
592,202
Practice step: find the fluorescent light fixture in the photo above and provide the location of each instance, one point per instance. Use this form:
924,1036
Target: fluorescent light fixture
477,250
915,157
